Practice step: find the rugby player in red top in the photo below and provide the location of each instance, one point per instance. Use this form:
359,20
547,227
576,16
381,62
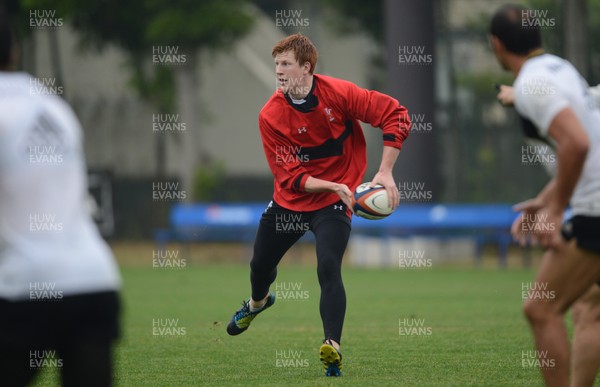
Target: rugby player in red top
316,150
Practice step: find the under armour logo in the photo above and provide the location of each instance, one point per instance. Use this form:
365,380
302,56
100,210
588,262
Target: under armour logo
336,207
302,129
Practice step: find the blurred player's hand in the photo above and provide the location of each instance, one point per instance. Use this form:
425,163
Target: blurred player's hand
346,195
549,220
537,224
526,220
506,95
387,181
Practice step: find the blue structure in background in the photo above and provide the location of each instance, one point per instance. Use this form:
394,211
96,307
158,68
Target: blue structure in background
486,223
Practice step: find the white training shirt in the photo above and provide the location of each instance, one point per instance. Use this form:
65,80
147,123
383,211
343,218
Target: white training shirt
49,244
595,92
544,87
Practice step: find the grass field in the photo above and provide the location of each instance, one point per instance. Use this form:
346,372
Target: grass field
472,333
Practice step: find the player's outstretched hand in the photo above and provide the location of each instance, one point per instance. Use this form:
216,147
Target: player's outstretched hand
538,224
506,95
346,195
525,222
387,181
548,226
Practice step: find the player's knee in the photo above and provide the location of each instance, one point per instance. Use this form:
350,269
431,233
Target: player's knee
254,266
537,312
257,267
328,270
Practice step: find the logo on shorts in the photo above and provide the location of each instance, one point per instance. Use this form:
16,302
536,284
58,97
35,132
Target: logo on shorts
567,229
269,206
336,207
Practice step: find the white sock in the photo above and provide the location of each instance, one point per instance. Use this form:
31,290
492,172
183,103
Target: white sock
253,309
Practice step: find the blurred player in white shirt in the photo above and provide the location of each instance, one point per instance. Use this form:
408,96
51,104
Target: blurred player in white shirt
557,108
586,310
58,279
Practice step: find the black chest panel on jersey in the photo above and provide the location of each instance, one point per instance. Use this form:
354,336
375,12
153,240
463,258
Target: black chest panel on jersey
330,148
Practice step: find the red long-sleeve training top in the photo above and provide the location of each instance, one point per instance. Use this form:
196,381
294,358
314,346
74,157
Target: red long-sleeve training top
322,138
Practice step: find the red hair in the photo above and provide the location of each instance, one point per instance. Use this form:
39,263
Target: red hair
304,50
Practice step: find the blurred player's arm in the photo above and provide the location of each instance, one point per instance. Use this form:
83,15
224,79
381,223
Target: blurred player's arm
547,191
506,95
571,151
550,204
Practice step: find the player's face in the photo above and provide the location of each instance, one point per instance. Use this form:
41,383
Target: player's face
291,76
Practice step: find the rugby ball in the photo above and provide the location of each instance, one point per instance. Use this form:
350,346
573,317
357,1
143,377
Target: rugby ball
371,203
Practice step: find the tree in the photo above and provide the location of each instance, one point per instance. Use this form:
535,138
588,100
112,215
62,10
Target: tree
138,26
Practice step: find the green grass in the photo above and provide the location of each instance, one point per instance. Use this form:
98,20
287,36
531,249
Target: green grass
477,329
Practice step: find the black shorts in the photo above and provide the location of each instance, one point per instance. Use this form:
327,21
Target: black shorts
298,222
586,230
56,323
